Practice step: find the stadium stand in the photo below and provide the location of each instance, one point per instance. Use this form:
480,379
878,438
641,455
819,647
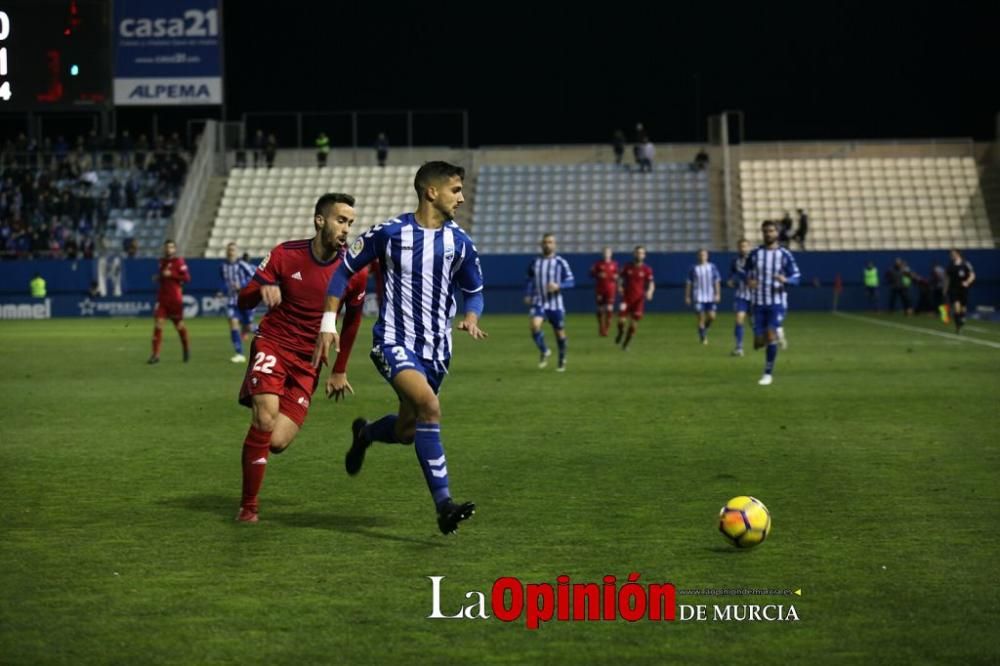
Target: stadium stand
590,205
64,208
263,207
870,203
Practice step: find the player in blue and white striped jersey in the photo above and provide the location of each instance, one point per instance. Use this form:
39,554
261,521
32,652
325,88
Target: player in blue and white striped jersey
424,256
770,268
741,299
703,288
235,274
548,275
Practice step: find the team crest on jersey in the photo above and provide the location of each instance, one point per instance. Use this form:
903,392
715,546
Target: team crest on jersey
449,250
357,246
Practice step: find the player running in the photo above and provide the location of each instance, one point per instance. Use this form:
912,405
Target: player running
280,378
605,274
703,288
235,274
741,299
424,257
636,285
172,275
770,268
548,276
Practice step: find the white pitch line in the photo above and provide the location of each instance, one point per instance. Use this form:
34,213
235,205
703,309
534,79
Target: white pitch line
917,329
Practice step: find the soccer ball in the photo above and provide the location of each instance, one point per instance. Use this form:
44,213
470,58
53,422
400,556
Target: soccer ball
745,521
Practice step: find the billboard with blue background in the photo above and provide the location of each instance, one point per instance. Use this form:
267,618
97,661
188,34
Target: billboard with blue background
69,283
167,52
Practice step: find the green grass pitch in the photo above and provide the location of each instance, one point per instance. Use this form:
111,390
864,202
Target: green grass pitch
875,451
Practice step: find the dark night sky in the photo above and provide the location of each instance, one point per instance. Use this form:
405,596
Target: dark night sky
542,74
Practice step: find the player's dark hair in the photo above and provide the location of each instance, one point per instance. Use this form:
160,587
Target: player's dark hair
168,241
548,234
957,251
639,247
768,223
742,240
434,172
325,202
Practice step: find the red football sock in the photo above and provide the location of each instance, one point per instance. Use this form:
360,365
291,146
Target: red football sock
254,458
607,321
600,322
631,332
183,332
157,340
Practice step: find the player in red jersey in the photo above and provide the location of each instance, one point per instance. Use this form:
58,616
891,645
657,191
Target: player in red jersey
172,275
280,377
636,286
605,274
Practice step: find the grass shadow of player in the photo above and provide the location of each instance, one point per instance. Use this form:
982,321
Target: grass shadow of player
365,526
215,504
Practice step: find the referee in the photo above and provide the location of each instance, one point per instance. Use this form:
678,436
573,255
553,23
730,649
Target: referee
960,278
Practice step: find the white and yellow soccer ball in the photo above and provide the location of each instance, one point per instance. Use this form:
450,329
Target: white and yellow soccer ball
745,521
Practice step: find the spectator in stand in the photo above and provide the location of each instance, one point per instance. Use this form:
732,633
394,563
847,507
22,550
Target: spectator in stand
700,162
646,154
271,150
618,146
259,144
785,229
322,149
800,233
381,148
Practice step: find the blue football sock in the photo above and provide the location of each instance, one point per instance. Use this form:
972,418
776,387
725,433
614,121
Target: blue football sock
562,349
383,430
708,323
701,332
739,336
539,340
430,453
772,353
237,341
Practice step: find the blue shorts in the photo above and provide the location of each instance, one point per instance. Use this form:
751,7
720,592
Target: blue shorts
706,307
767,317
555,317
390,360
741,305
245,317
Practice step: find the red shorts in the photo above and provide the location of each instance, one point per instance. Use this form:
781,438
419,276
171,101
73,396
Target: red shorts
173,311
606,295
288,375
633,307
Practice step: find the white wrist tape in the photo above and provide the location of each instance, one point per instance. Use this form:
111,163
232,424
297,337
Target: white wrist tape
329,323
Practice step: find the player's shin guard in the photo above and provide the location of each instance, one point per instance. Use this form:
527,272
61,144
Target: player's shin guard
772,353
157,340
539,339
430,453
738,332
237,342
562,350
383,430
255,455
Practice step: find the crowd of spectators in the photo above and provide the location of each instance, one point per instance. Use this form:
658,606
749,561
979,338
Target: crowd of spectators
58,201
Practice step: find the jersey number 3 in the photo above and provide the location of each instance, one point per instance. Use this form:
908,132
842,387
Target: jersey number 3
264,362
